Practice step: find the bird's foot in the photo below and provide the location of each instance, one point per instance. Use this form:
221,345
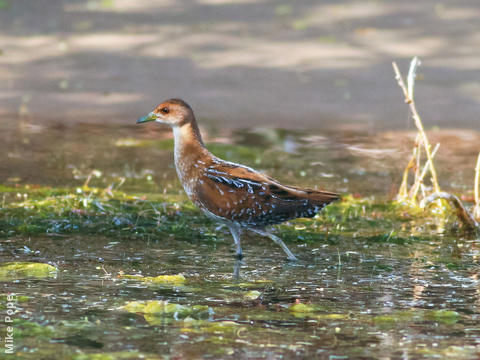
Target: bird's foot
292,258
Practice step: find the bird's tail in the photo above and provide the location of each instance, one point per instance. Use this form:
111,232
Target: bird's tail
318,197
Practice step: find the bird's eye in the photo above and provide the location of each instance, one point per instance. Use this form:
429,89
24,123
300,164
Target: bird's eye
165,110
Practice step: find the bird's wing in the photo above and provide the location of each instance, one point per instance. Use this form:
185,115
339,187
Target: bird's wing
238,193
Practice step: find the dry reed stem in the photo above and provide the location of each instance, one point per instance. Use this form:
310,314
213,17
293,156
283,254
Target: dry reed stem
408,94
414,189
419,162
468,221
463,215
476,209
402,191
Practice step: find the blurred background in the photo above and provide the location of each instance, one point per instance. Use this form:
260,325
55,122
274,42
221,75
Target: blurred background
240,63
301,90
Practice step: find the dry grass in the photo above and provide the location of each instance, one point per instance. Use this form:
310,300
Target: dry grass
421,165
415,163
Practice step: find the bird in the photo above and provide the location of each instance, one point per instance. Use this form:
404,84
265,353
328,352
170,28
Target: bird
233,194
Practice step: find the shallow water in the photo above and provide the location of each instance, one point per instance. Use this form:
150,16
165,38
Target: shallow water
346,160
391,290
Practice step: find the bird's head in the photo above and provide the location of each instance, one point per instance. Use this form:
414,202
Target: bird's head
173,112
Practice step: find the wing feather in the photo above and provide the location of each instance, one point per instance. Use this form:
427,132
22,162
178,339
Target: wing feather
241,194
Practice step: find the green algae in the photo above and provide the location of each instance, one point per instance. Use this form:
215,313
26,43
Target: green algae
134,307
221,328
398,317
317,312
158,280
254,284
447,317
18,298
304,308
19,270
115,213
252,295
158,308
236,295
443,316
24,329
95,213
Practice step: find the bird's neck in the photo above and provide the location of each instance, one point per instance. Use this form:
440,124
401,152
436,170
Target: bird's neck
189,148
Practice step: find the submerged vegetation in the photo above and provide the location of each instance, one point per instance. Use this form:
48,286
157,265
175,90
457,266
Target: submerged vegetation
46,211
13,270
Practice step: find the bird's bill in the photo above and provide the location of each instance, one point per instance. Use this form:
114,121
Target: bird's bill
150,117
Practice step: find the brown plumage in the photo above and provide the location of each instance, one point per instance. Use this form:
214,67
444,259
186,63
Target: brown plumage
234,194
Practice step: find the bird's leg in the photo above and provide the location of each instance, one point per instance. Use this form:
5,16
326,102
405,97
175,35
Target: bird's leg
277,241
236,269
236,232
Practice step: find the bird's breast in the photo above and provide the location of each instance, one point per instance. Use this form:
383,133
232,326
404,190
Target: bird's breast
187,178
